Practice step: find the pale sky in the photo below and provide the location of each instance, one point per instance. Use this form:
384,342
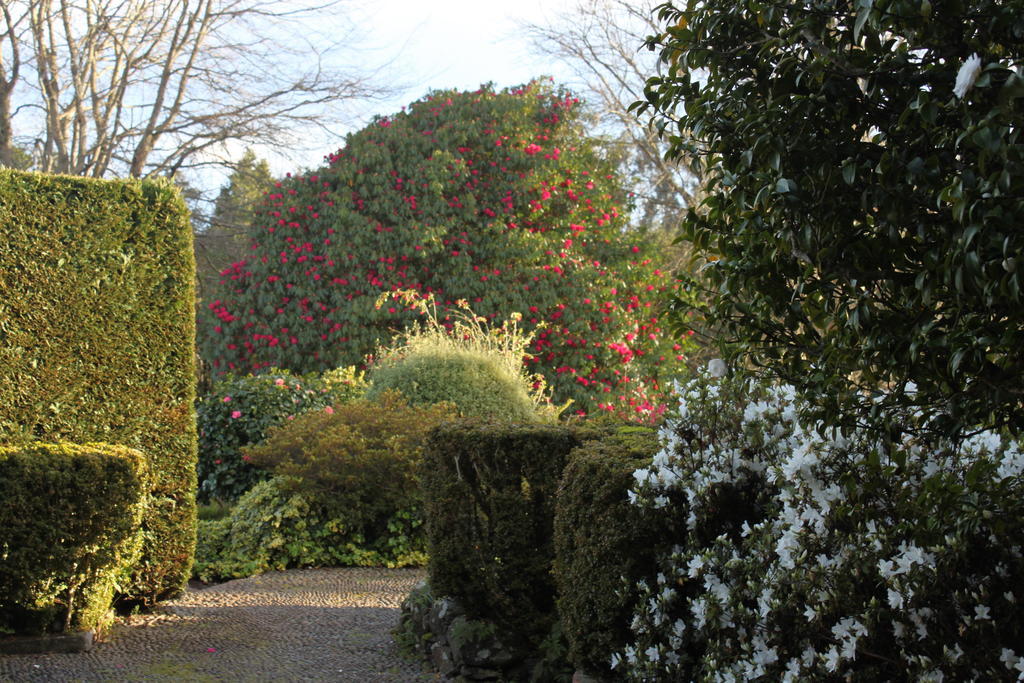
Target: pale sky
460,43
429,45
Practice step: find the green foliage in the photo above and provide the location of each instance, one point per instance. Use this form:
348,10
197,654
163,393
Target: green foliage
227,238
345,384
476,367
603,543
475,383
213,510
241,410
272,528
493,197
358,461
489,494
69,532
864,211
97,324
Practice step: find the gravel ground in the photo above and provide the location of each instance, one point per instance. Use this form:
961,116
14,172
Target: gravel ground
296,625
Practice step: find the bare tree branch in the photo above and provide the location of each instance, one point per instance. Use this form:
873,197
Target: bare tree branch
10,70
601,42
144,87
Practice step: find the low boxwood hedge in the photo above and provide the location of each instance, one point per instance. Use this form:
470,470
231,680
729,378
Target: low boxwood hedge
603,544
489,495
70,519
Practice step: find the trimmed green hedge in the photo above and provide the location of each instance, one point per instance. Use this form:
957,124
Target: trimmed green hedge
97,330
489,494
69,531
603,544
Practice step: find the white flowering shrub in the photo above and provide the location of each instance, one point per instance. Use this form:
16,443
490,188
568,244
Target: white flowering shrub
810,556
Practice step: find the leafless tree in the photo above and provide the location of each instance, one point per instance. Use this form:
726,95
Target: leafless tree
151,87
602,42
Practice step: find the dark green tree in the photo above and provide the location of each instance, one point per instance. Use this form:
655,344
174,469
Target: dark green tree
228,235
864,170
492,197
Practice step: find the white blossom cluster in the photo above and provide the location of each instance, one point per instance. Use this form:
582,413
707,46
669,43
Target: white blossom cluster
814,555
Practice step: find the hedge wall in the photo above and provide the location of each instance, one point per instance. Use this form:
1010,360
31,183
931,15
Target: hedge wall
97,336
69,530
603,544
489,497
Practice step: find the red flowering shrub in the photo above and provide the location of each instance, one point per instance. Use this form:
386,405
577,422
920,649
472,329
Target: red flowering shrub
492,197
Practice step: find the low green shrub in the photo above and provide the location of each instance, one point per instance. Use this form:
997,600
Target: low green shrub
489,495
273,528
69,532
603,543
473,381
358,461
241,410
465,361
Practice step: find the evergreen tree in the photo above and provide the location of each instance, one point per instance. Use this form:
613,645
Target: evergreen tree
228,235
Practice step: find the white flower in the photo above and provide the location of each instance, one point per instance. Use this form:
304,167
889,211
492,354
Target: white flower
967,75
716,366
981,612
832,659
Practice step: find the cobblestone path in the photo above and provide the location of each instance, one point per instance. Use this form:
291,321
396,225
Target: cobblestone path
296,625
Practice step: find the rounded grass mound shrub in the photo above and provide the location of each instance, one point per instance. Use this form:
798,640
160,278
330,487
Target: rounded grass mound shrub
464,360
241,410
359,461
70,519
477,384
810,555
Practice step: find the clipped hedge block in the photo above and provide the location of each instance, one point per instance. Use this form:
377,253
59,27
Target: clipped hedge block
97,330
489,494
69,531
603,544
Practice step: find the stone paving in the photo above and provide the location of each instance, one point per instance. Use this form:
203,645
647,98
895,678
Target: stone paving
295,625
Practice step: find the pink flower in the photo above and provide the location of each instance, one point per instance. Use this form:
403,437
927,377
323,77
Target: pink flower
279,382
237,414
329,410
227,399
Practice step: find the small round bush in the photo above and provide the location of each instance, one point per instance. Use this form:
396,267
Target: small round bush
273,528
475,382
240,411
359,461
